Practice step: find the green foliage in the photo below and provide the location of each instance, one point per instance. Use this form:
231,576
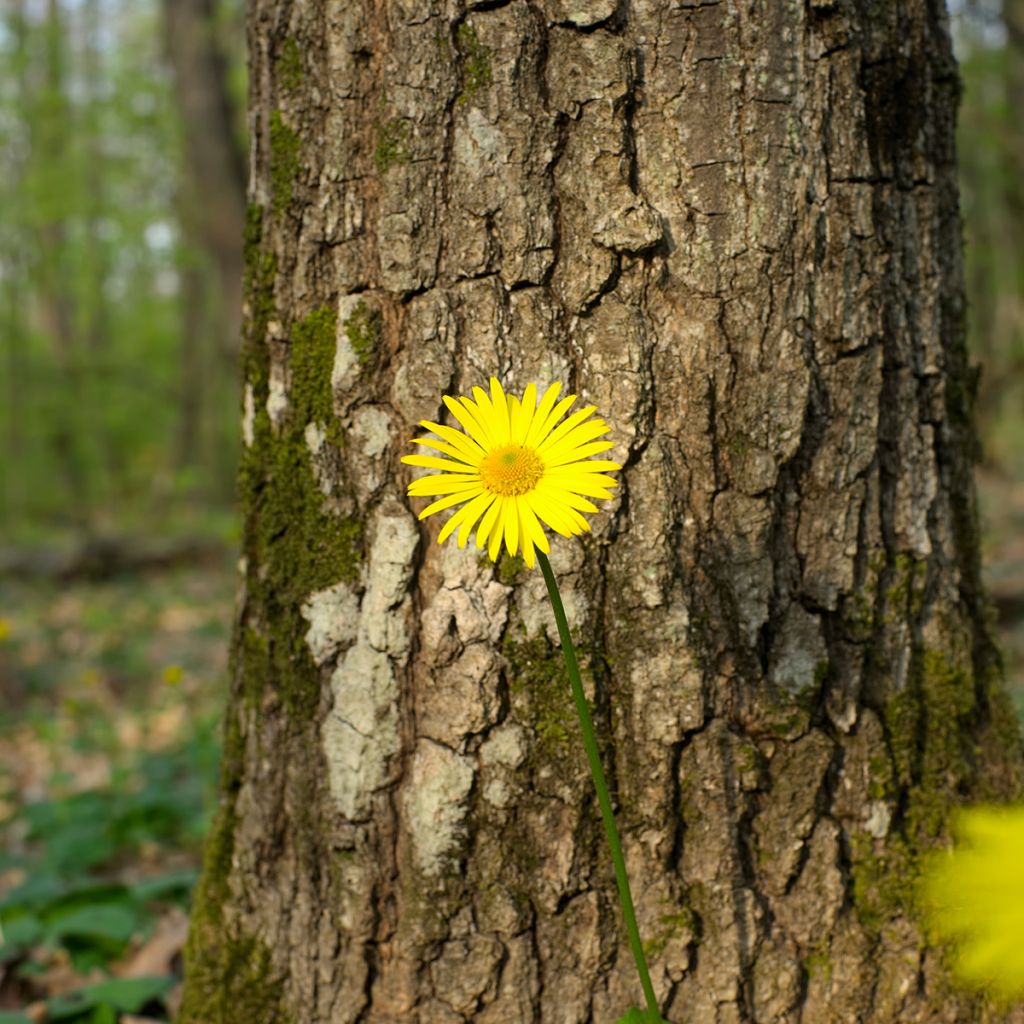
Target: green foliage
992,193
95,671
93,301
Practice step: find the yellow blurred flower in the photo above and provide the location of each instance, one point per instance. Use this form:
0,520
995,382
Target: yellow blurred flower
974,895
515,467
5,629
173,674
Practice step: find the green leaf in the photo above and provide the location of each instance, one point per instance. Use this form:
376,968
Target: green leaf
114,921
174,884
124,995
9,1017
20,930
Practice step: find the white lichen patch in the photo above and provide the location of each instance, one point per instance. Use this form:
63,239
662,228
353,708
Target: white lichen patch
799,651
505,746
371,429
248,416
361,733
315,437
390,570
435,804
346,368
333,616
879,818
277,393
370,434
479,146
503,752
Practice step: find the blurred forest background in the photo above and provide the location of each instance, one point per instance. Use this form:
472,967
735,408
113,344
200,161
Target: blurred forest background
122,208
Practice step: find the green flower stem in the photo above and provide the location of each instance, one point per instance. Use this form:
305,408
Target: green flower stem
607,815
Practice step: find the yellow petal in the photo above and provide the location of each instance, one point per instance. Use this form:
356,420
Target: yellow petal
522,414
576,437
466,415
494,544
433,462
487,524
535,433
565,456
456,438
530,527
446,483
452,499
474,509
564,427
447,449
512,527
553,417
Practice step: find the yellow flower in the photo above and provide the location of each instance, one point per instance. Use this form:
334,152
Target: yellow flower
173,674
975,897
514,465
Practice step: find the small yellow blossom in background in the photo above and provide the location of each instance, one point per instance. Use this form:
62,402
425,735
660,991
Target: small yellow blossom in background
173,674
515,467
5,629
974,895
91,677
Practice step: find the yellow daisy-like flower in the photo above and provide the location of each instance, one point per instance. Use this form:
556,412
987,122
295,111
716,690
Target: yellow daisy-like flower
975,898
516,464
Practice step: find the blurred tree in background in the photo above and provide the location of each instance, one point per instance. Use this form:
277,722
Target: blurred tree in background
120,249
990,43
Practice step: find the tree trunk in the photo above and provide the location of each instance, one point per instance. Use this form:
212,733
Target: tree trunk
215,175
733,227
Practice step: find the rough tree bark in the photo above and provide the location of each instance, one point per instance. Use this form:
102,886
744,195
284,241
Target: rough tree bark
733,226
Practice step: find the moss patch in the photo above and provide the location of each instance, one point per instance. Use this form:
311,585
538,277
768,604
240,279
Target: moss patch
539,683
476,62
362,328
392,144
931,765
233,981
293,543
289,65
285,161
230,978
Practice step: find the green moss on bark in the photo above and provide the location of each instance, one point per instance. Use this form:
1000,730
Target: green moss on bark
539,681
477,73
392,144
295,545
285,161
288,65
931,769
362,328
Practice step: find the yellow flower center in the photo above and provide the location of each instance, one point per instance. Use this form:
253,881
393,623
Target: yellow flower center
511,471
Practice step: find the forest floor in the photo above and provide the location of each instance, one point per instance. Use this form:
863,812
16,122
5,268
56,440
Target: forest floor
112,693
